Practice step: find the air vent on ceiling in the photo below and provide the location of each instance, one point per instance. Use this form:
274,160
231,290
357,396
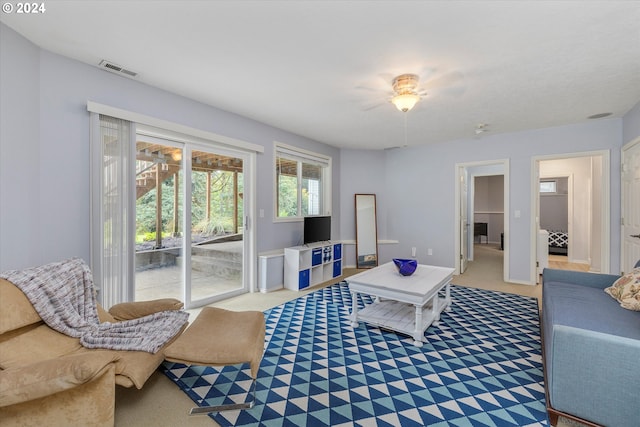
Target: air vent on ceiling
115,68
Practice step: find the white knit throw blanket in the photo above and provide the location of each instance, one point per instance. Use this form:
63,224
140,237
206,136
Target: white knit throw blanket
62,293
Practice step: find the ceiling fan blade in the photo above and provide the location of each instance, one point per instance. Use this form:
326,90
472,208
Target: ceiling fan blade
455,91
387,77
367,88
373,106
445,80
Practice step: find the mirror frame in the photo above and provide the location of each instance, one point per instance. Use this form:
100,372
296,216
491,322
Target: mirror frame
365,227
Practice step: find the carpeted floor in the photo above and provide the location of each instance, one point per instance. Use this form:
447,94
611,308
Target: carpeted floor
480,366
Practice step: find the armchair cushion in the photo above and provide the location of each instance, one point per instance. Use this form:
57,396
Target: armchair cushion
51,376
34,345
17,311
134,310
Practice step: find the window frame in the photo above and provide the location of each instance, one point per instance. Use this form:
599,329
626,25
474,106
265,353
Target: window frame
301,155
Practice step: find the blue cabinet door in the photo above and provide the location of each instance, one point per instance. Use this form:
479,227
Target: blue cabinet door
316,256
303,279
337,251
337,268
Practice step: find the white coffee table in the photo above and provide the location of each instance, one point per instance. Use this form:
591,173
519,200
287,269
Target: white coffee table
405,304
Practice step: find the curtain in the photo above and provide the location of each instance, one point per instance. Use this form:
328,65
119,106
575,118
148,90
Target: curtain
113,208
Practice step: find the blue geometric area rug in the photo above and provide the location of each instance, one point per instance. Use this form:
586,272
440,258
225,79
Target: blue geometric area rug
481,366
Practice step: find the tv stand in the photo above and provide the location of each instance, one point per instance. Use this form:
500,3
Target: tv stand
312,264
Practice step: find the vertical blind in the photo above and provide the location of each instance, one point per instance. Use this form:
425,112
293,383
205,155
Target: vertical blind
113,204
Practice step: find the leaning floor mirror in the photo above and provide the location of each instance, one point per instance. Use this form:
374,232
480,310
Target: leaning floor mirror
366,231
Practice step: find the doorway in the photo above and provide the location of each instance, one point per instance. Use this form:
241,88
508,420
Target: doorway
571,206
482,198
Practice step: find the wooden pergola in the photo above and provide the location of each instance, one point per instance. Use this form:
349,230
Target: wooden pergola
165,161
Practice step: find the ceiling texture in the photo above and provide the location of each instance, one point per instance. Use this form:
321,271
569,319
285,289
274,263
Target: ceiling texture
324,69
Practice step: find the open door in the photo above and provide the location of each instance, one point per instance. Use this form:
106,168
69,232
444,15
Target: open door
630,205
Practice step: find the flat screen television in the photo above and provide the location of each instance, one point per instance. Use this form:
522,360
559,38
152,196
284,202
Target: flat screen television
317,229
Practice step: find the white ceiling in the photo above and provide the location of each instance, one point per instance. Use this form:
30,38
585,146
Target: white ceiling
316,67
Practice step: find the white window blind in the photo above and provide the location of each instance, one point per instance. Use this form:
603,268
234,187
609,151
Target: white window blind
300,155
113,208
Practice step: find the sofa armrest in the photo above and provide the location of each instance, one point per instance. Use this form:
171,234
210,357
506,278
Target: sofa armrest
594,375
594,280
134,310
41,379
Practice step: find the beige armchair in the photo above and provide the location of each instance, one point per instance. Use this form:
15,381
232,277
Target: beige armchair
47,378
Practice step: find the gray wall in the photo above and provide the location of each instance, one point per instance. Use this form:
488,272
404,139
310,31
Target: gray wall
44,151
369,178
20,209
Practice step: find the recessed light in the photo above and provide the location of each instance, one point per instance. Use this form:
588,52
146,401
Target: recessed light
599,115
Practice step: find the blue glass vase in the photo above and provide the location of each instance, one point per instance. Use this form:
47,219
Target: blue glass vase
406,267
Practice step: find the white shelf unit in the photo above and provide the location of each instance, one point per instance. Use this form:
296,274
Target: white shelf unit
312,264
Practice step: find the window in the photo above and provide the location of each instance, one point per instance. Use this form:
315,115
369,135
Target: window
548,187
302,183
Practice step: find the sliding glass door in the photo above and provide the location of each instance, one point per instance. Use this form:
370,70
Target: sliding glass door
216,225
159,211
189,221
169,215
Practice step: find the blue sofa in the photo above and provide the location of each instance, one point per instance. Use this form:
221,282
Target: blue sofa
591,350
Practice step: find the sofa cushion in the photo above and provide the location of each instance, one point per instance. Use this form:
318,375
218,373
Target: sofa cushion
133,368
34,345
17,311
626,290
134,310
51,376
588,308
104,315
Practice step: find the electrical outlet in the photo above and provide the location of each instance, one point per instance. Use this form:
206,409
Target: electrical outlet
413,252
429,251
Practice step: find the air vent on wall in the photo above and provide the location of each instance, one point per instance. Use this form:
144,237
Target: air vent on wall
115,68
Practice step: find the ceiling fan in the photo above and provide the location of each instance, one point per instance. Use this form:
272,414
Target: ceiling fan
405,86
406,91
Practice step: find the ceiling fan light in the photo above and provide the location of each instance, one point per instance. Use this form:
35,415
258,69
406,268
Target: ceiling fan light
405,102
